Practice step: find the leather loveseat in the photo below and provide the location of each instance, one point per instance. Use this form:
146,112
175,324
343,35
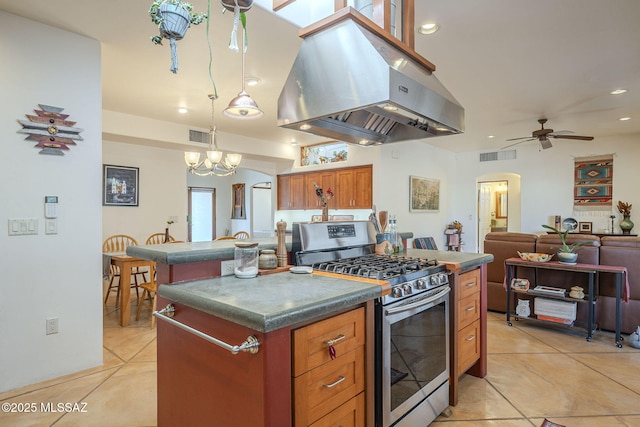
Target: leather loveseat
608,250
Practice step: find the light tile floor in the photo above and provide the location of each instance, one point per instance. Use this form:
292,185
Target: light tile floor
533,373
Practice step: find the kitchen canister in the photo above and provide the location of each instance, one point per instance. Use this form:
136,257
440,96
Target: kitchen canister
267,259
246,260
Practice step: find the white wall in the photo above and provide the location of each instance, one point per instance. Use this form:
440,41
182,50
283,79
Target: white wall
163,192
43,275
547,181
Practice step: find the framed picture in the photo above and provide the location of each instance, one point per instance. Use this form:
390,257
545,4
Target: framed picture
120,185
584,227
323,152
424,194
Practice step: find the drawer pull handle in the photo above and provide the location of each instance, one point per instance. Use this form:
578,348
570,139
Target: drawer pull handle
470,284
471,308
340,379
471,338
335,340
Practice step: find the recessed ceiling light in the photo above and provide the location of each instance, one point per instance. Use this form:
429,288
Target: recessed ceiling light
252,81
429,28
390,107
182,110
491,136
624,119
293,142
305,127
618,91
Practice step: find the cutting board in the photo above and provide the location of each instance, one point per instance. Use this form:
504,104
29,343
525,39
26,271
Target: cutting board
274,270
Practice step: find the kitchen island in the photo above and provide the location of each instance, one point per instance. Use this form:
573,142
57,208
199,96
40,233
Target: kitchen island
295,318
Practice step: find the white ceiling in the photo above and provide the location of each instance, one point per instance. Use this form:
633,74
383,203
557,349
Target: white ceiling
508,62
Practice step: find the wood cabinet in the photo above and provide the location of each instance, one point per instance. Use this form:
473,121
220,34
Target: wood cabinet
326,180
354,186
291,192
468,327
329,389
353,189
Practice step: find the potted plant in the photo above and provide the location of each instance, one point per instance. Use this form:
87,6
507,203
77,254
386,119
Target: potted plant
173,18
626,224
566,252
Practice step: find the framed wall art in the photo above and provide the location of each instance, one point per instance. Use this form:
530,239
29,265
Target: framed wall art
424,194
584,227
120,185
324,152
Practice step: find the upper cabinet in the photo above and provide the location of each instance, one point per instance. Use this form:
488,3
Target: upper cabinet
352,188
291,192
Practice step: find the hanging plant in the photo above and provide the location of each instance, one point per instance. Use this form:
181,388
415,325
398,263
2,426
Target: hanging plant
173,18
238,7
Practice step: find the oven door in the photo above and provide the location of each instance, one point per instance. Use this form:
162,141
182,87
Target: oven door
413,357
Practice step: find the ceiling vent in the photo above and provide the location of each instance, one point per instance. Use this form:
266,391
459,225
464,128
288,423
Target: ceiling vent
498,155
198,136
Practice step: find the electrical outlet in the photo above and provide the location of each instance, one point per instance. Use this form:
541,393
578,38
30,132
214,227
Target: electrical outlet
52,326
227,267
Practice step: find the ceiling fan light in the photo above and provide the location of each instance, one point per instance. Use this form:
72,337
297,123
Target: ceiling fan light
243,107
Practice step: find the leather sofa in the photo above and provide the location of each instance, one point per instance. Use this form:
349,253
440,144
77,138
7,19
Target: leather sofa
608,250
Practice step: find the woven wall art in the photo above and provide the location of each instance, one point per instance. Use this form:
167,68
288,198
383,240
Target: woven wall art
593,186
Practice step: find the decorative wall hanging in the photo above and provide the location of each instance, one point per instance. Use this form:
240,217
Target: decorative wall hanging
324,152
51,130
593,186
120,186
425,194
238,210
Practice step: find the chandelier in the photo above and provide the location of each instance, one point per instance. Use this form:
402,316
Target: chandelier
213,164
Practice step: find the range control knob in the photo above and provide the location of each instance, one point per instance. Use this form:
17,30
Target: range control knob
434,280
396,292
421,284
444,279
407,289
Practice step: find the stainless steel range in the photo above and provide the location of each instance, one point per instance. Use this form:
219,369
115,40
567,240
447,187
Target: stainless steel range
412,322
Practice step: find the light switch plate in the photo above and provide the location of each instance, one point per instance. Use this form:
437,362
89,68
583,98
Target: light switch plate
51,226
23,226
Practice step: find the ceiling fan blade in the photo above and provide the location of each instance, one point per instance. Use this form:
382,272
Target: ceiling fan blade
561,132
581,138
516,143
522,137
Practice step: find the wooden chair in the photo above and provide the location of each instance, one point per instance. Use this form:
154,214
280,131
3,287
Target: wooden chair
241,235
148,299
119,243
225,238
158,238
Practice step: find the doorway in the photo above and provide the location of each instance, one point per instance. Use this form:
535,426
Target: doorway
493,208
202,214
262,223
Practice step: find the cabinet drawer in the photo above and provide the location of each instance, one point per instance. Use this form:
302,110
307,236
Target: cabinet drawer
468,310
468,283
468,346
325,388
310,348
350,414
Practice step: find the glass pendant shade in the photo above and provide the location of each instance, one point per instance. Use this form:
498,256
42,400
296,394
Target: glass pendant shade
234,159
214,156
191,158
243,107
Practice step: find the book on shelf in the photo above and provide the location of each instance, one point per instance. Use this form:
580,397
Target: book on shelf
555,319
548,290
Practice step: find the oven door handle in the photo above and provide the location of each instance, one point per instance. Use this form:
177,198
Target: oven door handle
419,303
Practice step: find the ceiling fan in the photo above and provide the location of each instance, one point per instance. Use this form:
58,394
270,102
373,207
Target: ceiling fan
543,135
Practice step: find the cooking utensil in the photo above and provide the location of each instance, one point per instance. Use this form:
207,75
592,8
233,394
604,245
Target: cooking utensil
383,215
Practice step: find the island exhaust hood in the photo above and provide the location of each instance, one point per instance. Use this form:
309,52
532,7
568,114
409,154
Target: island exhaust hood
350,84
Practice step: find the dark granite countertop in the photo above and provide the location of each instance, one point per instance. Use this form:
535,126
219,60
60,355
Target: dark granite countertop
273,301
180,253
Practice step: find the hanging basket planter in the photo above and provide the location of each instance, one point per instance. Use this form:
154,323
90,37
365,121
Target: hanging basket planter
173,18
175,21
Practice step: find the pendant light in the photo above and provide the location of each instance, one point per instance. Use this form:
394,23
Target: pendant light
213,163
243,106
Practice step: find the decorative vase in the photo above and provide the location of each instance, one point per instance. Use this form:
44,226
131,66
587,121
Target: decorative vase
523,309
567,257
626,225
325,213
